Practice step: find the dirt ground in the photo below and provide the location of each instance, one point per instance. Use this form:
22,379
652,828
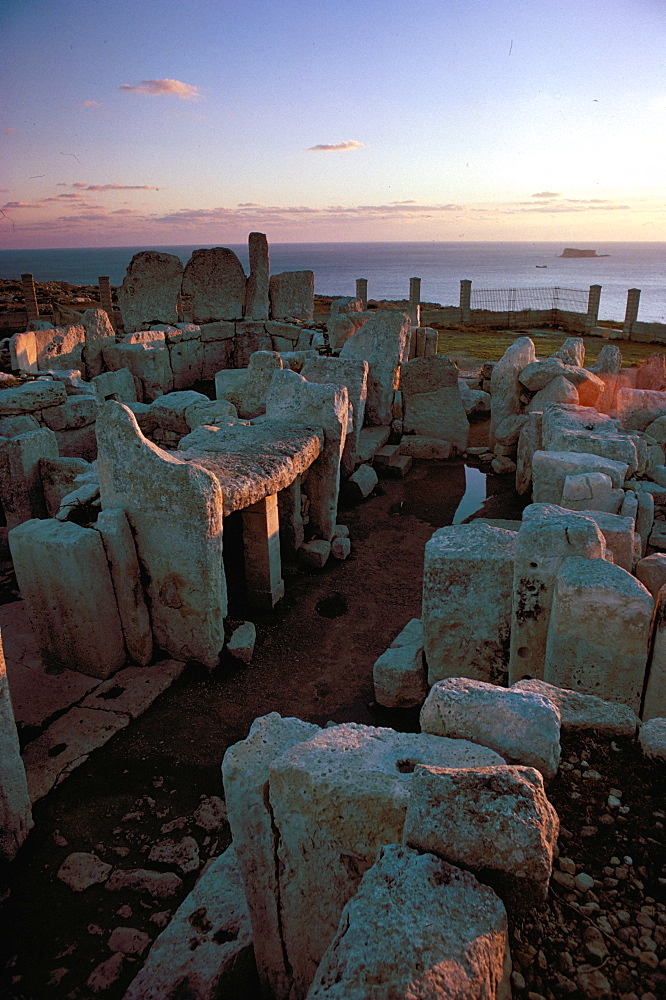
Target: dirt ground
313,659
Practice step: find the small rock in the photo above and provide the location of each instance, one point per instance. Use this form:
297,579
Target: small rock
106,974
241,643
584,882
589,831
592,983
211,813
595,946
80,870
314,554
565,880
158,885
161,919
518,980
567,865
340,548
183,853
175,824
58,839
94,929
128,940
125,911
648,959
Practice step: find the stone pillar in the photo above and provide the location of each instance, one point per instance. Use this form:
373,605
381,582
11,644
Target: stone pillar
261,541
593,306
465,300
291,519
631,313
30,298
15,813
362,291
105,299
256,291
414,309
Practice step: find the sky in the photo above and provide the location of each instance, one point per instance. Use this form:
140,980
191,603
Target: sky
158,122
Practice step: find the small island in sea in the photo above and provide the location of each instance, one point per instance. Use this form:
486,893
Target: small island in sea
572,252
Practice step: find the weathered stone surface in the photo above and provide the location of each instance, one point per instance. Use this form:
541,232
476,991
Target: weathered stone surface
638,408
560,390
206,949
61,348
166,497
241,643
495,821
572,351
399,676
651,571
245,774
383,342
618,532
213,286
182,854
15,812
652,738
31,396
473,400
370,440
336,800
23,351
523,727
118,385
417,927
148,363
80,870
529,442
599,631
158,885
169,411
314,554
353,374
540,373
292,295
654,700
341,326
121,555
21,492
256,292
98,333
591,491
23,423
651,373
569,428
432,404
362,481
418,446
132,690
467,599
609,360
247,388
186,358
504,382
508,432
78,411
644,517
217,356
550,469
580,711
544,541
150,289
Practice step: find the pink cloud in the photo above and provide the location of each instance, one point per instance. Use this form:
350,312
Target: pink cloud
336,147
164,88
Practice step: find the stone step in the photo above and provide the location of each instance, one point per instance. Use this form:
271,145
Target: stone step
397,469
370,440
386,456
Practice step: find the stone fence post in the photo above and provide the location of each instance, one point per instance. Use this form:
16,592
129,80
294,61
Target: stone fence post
414,309
631,312
465,300
30,298
105,299
362,291
593,299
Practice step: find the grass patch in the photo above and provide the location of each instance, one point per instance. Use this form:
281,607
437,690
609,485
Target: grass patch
490,345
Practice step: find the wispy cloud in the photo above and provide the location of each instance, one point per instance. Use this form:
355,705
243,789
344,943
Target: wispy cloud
20,204
81,186
164,88
336,147
92,104
546,194
8,131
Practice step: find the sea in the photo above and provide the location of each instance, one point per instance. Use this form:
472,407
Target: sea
389,266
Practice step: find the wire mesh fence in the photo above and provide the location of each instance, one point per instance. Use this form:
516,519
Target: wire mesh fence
517,299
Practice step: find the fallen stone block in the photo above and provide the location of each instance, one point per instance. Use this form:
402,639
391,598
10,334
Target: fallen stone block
31,396
651,571
241,643
550,469
638,408
80,870
580,711
340,548
505,386
399,677
418,446
560,390
315,554
524,727
21,492
118,385
361,483
652,737
370,440
170,411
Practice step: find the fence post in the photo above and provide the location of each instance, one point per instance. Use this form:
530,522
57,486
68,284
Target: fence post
593,299
631,313
105,300
362,291
465,300
414,309
30,298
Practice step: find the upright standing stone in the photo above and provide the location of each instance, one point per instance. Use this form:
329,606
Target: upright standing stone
353,374
21,492
261,544
150,289
15,812
99,334
213,286
505,386
432,403
655,691
30,298
362,291
383,341
529,442
599,631
256,292
292,295
467,594
105,298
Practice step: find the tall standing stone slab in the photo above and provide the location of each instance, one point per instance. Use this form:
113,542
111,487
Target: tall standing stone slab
432,402
383,341
99,334
213,286
15,812
541,548
21,491
175,510
256,291
599,631
336,800
353,374
467,595
64,578
505,388
655,690
529,442
292,295
150,289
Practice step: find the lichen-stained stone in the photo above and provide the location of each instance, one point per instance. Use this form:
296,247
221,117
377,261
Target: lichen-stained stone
292,295
599,631
65,581
213,286
541,547
383,341
256,291
247,388
550,469
21,492
492,820
255,837
31,396
149,363
432,403
336,800
417,928
467,600
505,387
291,398
353,374
165,497
120,551
150,289
15,812
580,711
99,333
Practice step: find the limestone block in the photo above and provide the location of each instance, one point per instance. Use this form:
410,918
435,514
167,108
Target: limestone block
121,555
619,534
336,800
638,408
78,411
98,334
362,482
21,424
654,701
432,404
186,358
150,289
256,839
242,641
256,292
541,547
132,690
560,390
292,295
417,927
165,497
651,571
651,373
213,286
493,820
585,486
644,517
65,581
619,447
599,631
657,430
212,412
21,492
217,355
353,374
63,349
341,326
505,386
251,336
399,676
609,359
206,948
247,388
467,596
314,554
155,336
31,396
370,440
79,442
15,812
629,505
149,363
508,432
652,737
23,351
529,442
572,351
550,469
382,342
540,373
292,398
418,446
657,537
284,332
117,385
169,411
213,332
580,711
57,476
